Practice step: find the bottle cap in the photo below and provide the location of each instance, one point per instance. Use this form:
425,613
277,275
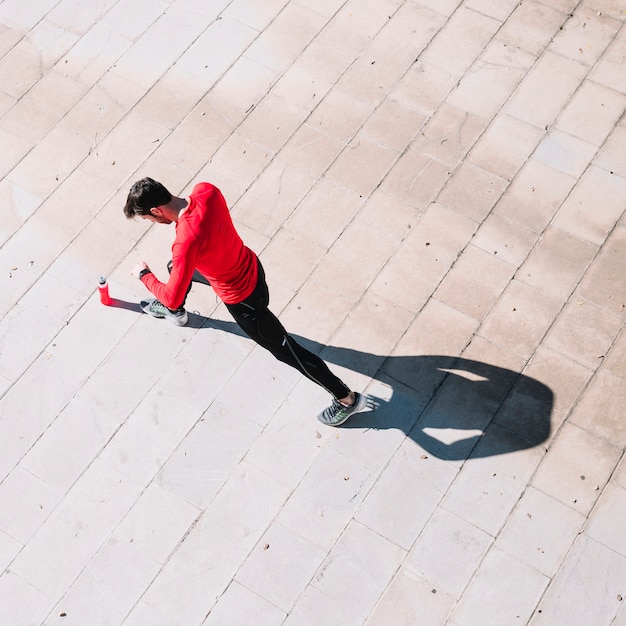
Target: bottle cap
102,280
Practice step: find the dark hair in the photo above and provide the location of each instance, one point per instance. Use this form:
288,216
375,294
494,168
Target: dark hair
144,195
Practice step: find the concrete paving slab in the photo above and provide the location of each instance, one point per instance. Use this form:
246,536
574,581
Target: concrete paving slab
436,190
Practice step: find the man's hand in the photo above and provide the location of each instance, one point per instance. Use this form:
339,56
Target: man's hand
138,268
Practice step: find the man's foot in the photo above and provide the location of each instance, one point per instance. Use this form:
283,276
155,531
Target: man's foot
157,309
337,413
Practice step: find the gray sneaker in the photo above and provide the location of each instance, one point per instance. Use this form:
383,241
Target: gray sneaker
157,309
336,414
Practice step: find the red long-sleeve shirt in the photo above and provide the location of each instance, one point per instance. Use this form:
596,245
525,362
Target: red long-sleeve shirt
206,240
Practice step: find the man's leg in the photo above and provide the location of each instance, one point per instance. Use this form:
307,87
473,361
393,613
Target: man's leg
262,326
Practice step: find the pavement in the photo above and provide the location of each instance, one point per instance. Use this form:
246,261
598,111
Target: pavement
436,189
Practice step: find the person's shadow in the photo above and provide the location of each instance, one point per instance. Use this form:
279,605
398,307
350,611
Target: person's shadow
451,406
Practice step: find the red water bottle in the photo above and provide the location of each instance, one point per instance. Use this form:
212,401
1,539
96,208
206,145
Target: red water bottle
103,288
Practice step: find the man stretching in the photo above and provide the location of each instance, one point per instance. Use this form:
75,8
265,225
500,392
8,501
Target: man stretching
207,245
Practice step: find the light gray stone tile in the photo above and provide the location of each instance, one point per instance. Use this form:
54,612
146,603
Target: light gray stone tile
585,35
581,214
329,495
489,598
597,411
584,332
216,547
18,205
510,241
613,361
259,386
540,531
546,88
604,523
56,384
362,165
69,445
350,581
292,439
23,336
21,602
424,86
464,287
150,434
115,578
520,318
592,113
491,80
604,280
25,503
9,548
557,262
285,37
609,70
253,15
76,530
587,589
393,124
451,569
411,600
329,204
201,369
303,319
401,502
449,135
239,605
505,146
416,179
208,455
472,192
531,26
346,269
576,468
492,479
156,524
534,196
272,197
280,566
467,29
565,153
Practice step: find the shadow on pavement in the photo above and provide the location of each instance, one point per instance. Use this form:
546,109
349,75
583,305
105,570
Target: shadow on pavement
451,406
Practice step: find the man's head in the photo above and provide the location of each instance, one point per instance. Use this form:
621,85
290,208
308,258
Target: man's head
145,198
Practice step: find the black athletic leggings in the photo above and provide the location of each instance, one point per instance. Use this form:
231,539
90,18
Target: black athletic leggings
263,327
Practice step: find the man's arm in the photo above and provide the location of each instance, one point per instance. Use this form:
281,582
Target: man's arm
171,294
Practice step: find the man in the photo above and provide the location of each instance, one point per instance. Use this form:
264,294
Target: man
208,246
